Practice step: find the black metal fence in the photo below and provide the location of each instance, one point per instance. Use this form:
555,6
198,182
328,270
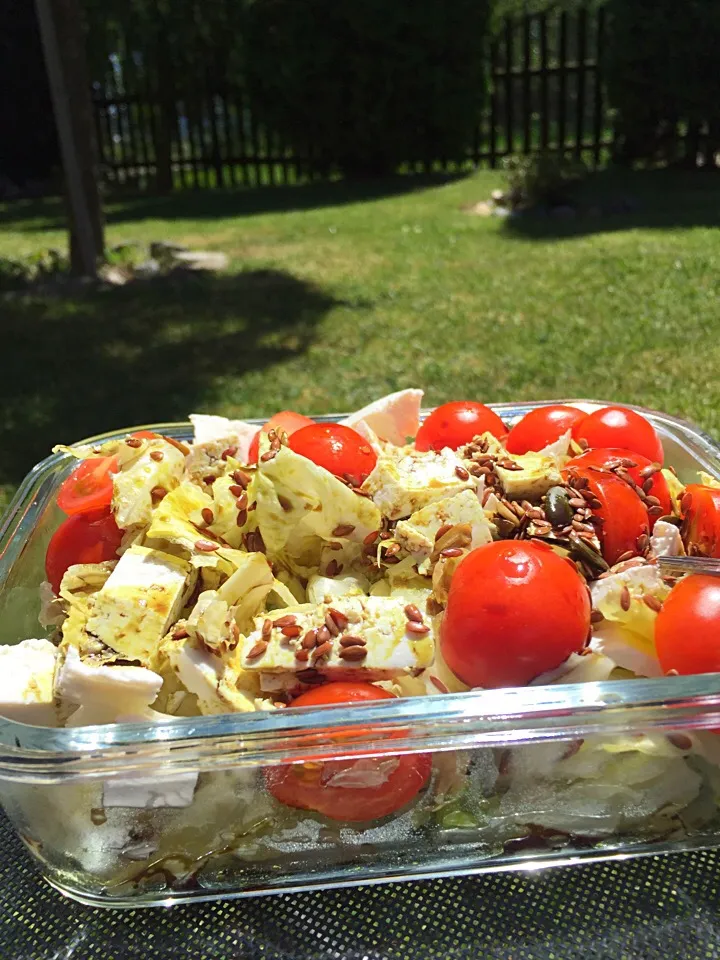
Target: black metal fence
545,93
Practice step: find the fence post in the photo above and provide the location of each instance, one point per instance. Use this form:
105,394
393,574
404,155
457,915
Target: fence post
581,68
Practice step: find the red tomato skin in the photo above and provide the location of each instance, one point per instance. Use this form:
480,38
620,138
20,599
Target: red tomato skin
287,420
455,424
337,448
687,638
542,426
82,538
306,785
701,520
89,487
602,456
514,611
623,428
624,515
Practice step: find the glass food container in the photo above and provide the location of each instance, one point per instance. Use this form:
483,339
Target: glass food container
143,814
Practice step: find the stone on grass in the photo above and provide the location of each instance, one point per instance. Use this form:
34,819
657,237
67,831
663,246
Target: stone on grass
201,260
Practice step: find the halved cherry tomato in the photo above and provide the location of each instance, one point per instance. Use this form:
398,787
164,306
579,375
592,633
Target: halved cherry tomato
286,420
606,457
624,516
337,448
89,487
145,435
542,426
455,424
335,787
83,538
620,427
514,611
687,638
701,520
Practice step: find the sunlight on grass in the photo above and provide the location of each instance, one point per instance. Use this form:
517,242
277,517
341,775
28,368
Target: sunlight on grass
335,303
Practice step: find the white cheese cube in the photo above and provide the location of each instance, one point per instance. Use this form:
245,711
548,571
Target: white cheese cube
665,540
407,480
417,534
209,428
27,671
391,648
395,417
220,686
138,603
84,682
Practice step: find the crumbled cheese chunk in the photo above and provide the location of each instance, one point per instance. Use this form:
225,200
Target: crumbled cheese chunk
209,428
665,540
417,534
132,502
395,418
27,671
406,480
141,598
220,685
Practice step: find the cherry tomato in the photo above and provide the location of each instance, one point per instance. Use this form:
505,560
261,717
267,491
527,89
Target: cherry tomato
624,516
286,420
83,538
514,611
607,456
620,427
319,786
701,520
687,638
145,435
542,426
455,424
89,487
337,448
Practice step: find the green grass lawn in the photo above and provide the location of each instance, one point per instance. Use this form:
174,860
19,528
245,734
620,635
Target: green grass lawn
337,294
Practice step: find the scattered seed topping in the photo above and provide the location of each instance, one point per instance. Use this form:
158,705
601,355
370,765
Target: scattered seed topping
680,740
371,538
310,639
583,444
179,633
417,628
324,650
412,613
134,442
625,598
461,473
333,568
323,634
289,620
685,502
334,545
438,684
343,529
291,631
268,455
351,641
451,552
331,625
241,518
240,477
303,654
625,556
339,618
596,617
351,479
353,653
650,601
284,503
230,452
442,531
156,455
266,629
258,650
236,490
654,510
207,515
206,546
157,493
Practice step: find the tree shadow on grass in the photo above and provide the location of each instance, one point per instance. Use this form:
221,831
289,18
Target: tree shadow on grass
214,204
147,352
615,200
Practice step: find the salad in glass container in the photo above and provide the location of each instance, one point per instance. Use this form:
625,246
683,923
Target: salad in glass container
306,563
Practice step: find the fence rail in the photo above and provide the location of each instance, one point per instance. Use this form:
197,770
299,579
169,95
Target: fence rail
544,86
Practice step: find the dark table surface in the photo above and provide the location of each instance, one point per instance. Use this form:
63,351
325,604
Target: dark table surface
655,908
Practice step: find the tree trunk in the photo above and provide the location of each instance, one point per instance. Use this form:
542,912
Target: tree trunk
64,45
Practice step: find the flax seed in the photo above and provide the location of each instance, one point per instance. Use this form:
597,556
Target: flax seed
179,633
334,545
461,473
331,625
229,452
351,479
451,552
266,629
303,655
324,650
333,568
650,601
241,518
438,684
576,502
596,617
655,510
343,530
206,546
268,455
339,618
291,631
158,493
371,538
156,455
412,613
134,442
323,634
351,641
241,478
285,503
207,515
310,639
420,629
442,531
686,502
625,598
258,650
353,653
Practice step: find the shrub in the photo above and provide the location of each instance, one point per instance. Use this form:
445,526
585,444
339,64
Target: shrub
661,68
545,179
364,85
